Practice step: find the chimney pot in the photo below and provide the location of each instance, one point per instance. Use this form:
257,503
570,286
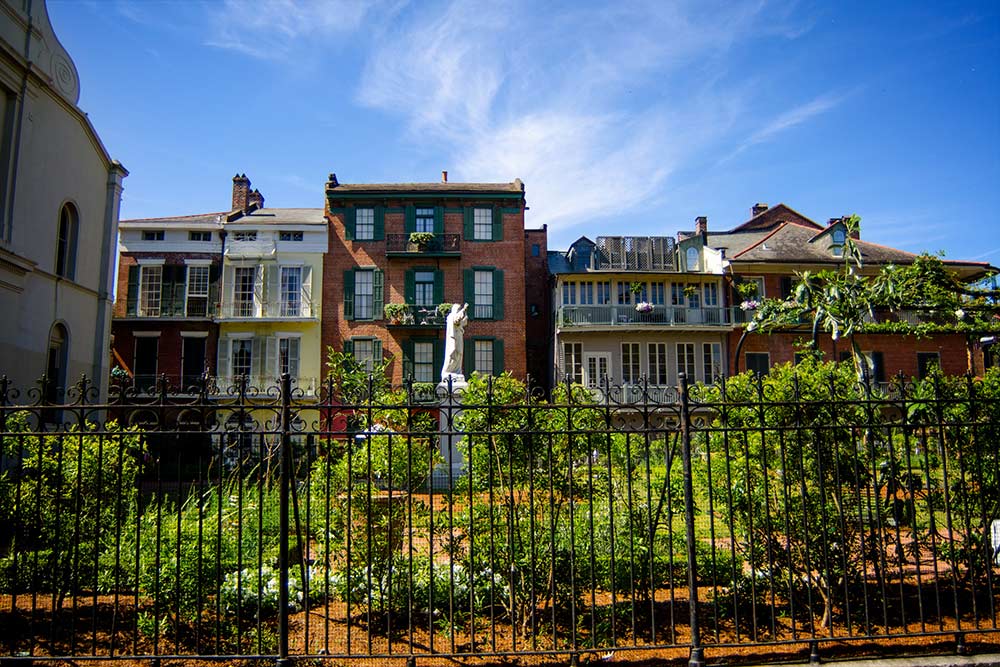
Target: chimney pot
332,181
758,208
241,192
444,176
255,197
701,225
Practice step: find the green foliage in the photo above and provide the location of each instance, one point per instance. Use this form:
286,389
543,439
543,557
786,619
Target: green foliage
353,383
421,238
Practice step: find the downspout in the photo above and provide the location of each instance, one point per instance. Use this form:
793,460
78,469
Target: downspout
9,232
222,295
105,288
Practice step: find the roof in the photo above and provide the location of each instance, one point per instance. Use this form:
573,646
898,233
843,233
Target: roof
558,262
774,216
793,243
515,187
264,216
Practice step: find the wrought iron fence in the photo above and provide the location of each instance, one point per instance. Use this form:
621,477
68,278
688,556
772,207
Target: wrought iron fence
260,522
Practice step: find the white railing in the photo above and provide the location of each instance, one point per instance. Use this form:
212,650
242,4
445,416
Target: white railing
627,315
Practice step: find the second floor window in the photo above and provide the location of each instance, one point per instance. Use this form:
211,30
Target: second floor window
711,295
291,291
364,224
423,361
243,289
363,295
424,221
242,356
484,294
572,365
484,357
685,360
630,363
482,224
364,350
712,360
569,294
288,356
423,284
658,363
604,293
150,285
197,291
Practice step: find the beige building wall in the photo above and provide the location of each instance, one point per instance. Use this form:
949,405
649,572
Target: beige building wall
51,156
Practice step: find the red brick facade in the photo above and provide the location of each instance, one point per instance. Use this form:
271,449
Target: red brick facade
507,255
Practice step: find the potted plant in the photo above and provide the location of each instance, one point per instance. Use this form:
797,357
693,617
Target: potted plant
395,312
443,309
644,307
421,239
635,287
690,291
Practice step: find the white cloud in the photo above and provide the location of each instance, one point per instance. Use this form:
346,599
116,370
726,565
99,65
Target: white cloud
789,119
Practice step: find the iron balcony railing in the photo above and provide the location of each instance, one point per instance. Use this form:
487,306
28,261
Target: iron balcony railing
627,315
440,244
418,316
277,309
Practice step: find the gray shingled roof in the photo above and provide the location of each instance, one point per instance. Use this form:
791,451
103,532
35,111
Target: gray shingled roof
283,216
795,243
180,219
377,188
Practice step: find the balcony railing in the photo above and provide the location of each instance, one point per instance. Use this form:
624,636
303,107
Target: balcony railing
418,316
439,245
626,315
277,310
191,385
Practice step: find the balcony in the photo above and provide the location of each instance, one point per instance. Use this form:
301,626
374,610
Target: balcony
416,317
192,385
251,310
659,316
441,245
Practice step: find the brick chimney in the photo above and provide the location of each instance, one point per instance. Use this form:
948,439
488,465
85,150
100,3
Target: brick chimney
241,192
255,197
757,209
332,181
701,225
444,176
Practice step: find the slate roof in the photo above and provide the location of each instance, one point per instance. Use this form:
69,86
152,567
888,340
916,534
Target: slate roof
774,216
264,216
795,243
198,218
445,188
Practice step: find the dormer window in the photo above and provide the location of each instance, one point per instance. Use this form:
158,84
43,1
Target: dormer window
152,235
692,259
839,236
245,236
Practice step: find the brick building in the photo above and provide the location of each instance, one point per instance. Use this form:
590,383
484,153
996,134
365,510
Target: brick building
398,251
777,241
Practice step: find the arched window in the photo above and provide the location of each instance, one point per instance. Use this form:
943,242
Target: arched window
692,259
839,237
55,368
69,223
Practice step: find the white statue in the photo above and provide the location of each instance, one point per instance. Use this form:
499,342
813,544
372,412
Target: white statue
453,342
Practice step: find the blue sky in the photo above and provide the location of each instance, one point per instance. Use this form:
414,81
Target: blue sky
621,118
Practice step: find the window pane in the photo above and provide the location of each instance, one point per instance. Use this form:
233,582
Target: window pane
364,352
364,224
658,363
712,361
482,224
424,288
572,362
288,356
484,357
685,360
484,294
197,291
242,356
149,293
424,221
630,363
423,362
243,291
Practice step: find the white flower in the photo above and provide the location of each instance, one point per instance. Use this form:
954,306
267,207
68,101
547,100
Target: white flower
960,314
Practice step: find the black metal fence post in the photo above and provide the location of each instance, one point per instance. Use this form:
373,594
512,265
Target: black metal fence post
285,473
697,658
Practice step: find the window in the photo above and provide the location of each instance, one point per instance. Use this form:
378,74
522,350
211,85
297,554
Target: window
658,363
150,283
711,361
839,236
423,361
692,259
624,293
243,284
482,224
242,356
291,291
199,236
604,292
364,295
192,361
424,220
484,294
66,242
144,364
656,293
711,292
572,365
596,369
244,237
630,363
364,224
676,294
423,288
569,294
535,250
876,366
685,361
483,363
152,235
367,352
758,362
197,291
758,283
288,356
55,368
289,236
926,361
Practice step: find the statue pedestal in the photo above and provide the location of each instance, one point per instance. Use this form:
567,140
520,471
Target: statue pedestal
453,467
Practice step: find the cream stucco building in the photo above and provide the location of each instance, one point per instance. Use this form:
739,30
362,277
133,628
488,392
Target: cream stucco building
59,199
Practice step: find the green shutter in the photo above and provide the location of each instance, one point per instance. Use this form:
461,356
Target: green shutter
497,223
498,366
377,351
349,294
349,347
407,359
378,299
497,294
350,220
439,287
468,224
132,297
439,219
213,288
409,287
379,233
167,280
180,290
878,370
410,223
469,281
438,357
469,357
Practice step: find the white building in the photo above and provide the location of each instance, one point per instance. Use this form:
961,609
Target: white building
59,198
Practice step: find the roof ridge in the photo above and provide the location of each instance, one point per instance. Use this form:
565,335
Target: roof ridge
781,225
